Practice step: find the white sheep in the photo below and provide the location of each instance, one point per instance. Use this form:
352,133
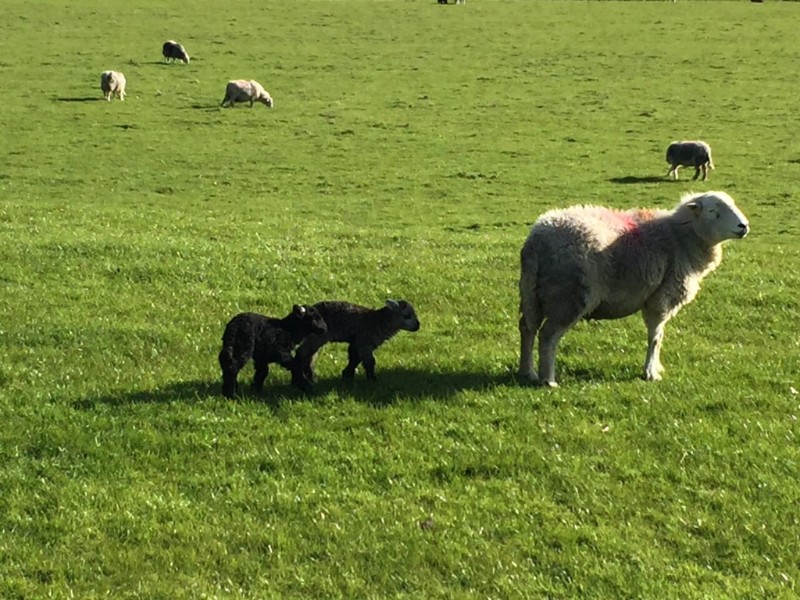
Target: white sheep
591,262
113,84
242,90
695,154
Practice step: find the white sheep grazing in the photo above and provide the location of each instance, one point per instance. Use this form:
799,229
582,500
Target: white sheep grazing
695,154
113,84
591,262
242,90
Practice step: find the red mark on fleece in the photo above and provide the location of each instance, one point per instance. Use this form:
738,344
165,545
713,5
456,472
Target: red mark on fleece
630,221
627,221
619,220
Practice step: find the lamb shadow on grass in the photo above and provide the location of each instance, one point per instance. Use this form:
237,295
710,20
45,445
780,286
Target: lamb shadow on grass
392,385
410,384
645,179
184,391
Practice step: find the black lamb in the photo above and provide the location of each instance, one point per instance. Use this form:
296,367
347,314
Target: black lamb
364,329
266,340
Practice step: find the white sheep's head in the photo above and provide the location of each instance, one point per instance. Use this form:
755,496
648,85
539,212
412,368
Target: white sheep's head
265,99
715,217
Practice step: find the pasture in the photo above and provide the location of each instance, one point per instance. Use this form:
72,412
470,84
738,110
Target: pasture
410,148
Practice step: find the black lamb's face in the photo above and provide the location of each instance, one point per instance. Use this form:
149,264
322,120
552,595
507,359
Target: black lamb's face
404,314
311,319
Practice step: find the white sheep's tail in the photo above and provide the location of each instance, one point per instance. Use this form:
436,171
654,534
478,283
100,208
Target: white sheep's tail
528,301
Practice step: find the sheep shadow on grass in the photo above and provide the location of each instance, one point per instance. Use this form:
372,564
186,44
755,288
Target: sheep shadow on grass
645,179
81,99
392,385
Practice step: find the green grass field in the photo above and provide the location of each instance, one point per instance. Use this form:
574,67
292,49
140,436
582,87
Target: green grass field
411,147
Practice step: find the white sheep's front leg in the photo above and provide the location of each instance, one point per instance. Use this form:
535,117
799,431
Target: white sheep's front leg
655,335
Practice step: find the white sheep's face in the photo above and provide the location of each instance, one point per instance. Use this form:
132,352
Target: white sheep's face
717,218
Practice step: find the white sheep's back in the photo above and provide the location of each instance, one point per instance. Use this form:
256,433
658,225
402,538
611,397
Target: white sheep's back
612,258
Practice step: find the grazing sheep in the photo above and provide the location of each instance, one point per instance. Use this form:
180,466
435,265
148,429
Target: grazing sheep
242,90
266,340
590,262
364,329
173,50
689,154
113,84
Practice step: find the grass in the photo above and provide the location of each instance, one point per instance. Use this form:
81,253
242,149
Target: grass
410,148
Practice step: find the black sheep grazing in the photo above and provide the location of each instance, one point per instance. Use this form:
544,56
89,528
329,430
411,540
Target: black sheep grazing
695,154
266,340
364,329
173,50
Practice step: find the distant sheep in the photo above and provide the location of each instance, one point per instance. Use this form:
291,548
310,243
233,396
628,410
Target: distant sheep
172,50
695,154
590,262
266,340
364,329
113,85
242,90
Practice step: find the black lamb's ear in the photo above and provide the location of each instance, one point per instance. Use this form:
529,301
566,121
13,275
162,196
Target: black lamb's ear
392,304
299,310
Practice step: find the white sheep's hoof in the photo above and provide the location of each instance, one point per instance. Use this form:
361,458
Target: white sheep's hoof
653,374
549,384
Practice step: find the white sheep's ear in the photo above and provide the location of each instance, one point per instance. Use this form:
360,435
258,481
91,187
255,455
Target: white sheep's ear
299,310
393,304
695,207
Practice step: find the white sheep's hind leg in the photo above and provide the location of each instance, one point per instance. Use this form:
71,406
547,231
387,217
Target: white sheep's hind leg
549,337
527,336
653,368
